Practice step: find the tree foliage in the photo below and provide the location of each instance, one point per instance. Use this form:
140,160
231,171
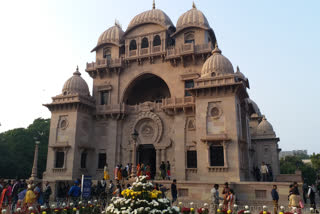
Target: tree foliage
17,149
290,164
315,160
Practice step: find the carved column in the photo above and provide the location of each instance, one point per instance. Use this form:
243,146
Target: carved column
35,163
134,154
158,161
163,158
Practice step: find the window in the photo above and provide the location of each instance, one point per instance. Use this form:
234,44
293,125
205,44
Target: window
216,156
189,37
104,97
59,160
83,163
107,53
188,84
133,45
144,43
102,160
191,159
156,40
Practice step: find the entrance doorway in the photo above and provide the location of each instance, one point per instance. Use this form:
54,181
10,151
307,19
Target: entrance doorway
147,156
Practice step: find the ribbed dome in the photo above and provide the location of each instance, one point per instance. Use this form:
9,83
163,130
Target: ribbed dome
112,35
254,106
216,65
265,128
76,84
192,18
151,16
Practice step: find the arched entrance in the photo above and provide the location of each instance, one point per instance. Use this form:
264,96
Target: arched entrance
146,154
147,87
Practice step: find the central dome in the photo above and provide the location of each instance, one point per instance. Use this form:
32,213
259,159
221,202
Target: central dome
192,18
155,16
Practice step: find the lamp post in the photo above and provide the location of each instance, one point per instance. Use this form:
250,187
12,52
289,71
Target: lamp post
134,136
35,161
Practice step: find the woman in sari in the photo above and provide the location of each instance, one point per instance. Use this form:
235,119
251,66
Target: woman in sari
30,198
4,197
106,173
138,170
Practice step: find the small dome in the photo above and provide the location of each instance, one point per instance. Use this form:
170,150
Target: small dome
155,16
254,106
112,35
216,65
76,85
192,18
265,128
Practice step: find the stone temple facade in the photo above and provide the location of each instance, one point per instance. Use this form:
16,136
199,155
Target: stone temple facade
171,86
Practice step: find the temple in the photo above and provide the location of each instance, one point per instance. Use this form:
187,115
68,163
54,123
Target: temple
161,92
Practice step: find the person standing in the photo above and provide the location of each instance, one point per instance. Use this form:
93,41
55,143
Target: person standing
163,170
75,191
46,193
305,192
264,171
15,191
225,193
106,175
174,192
275,198
215,197
168,170
294,202
312,196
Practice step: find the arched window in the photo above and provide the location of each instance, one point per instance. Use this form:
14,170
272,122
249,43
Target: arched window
189,37
133,45
144,43
156,40
107,53
83,162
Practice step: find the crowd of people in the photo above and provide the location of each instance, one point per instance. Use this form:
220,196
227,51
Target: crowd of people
228,198
22,194
124,172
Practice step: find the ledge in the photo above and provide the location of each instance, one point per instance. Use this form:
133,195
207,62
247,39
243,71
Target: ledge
216,137
217,169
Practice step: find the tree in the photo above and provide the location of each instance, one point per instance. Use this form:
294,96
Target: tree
290,164
315,160
17,149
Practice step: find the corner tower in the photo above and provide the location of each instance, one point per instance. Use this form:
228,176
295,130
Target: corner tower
70,128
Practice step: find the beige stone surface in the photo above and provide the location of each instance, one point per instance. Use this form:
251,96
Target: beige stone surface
219,112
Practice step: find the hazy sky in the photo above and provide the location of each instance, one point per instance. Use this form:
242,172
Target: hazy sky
275,43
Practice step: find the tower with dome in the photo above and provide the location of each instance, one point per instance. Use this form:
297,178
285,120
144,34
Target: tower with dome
161,92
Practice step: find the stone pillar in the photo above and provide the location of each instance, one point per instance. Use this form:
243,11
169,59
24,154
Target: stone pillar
35,163
134,158
179,149
163,155
158,161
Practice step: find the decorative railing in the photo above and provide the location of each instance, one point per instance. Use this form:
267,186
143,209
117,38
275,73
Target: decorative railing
144,51
104,63
156,49
177,102
58,170
133,53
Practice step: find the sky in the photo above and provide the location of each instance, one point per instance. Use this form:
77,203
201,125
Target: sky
275,44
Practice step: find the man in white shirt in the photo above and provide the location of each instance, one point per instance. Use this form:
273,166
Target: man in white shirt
215,197
264,171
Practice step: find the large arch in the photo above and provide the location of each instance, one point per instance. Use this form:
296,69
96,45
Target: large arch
146,87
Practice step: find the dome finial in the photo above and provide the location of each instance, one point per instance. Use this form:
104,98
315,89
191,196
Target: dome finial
216,49
194,5
154,5
77,72
238,69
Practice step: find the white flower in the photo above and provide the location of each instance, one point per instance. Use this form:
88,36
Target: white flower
89,202
282,207
205,204
180,203
71,204
191,203
246,207
4,211
264,207
311,209
19,209
30,208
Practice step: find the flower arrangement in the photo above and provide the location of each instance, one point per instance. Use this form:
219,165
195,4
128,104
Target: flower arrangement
142,198
264,210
